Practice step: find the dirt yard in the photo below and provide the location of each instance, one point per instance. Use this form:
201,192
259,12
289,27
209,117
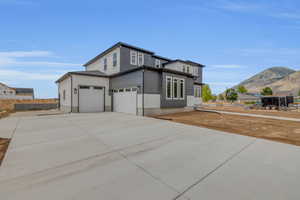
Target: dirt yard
3,147
277,130
291,114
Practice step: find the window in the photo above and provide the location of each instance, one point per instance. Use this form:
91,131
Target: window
64,95
133,57
140,59
128,89
181,89
183,68
187,69
197,91
169,88
105,64
157,63
98,88
115,57
175,88
121,90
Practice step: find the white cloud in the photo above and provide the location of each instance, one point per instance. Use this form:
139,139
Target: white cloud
20,75
227,66
12,58
20,54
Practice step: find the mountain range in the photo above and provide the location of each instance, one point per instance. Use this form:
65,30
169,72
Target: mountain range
282,80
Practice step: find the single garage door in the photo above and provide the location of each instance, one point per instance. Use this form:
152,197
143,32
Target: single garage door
91,99
125,100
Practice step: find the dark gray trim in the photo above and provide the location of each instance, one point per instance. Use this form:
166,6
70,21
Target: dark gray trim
143,95
186,62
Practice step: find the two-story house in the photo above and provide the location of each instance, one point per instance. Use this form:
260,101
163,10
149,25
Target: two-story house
129,79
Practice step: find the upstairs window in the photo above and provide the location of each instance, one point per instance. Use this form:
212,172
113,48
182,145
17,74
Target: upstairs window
140,59
157,63
133,59
187,69
183,68
115,58
64,95
105,64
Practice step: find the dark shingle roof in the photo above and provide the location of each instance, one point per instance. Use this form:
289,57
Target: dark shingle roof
90,73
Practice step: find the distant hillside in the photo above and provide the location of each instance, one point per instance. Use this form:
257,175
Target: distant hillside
280,79
288,85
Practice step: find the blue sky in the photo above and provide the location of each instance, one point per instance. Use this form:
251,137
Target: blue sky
41,40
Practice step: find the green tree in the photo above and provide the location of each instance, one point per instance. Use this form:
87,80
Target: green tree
231,95
206,93
241,89
214,98
221,97
267,91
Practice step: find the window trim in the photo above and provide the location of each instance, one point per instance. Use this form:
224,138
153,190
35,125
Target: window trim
157,63
138,59
169,78
183,89
173,88
115,59
133,54
105,64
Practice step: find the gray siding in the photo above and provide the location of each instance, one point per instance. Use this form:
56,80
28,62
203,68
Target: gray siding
152,82
133,79
125,59
200,74
175,103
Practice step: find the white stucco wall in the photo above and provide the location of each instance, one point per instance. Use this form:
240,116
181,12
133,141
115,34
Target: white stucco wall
178,66
65,85
99,64
91,81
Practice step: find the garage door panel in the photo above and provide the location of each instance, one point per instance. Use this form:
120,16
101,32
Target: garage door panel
125,102
91,99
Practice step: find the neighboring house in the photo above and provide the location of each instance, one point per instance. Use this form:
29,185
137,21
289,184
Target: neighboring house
7,92
129,79
248,97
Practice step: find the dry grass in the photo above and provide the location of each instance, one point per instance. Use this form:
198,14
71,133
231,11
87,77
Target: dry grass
271,129
3,148
9,104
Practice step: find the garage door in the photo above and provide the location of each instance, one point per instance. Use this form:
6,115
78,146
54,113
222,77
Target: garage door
125,100
91,99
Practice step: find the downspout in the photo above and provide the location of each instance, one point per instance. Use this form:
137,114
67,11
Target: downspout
143,101
71,93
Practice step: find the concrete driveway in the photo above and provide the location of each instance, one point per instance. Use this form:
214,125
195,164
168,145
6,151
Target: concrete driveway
113,156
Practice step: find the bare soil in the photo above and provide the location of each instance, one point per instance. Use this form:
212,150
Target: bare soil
3,148
239,109
271,129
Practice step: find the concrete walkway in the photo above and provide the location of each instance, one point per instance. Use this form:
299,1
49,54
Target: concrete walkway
114,156
252,115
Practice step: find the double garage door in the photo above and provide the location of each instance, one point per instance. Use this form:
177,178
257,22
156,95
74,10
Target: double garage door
125,100
91,99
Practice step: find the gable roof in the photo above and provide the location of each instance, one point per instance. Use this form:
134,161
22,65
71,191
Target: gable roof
2,84
114,47
186,62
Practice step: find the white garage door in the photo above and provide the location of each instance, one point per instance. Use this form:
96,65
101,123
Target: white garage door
124,100
91,99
